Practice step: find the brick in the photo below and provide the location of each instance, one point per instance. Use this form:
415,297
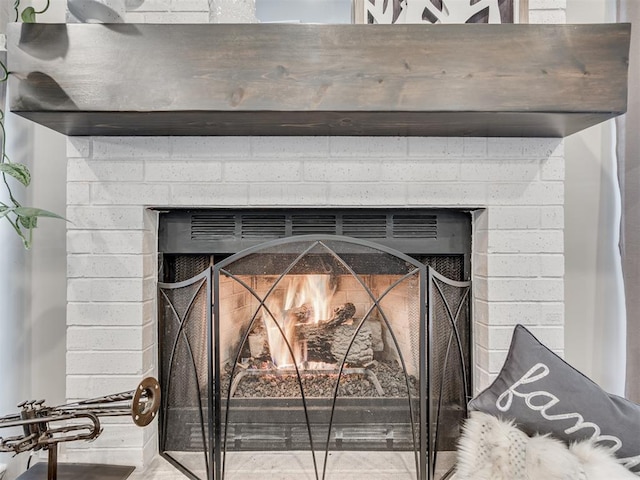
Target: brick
547,193
492,170
183,171
104,217
294,194
209,195
382,147
79,242
103,338
112,313
552,168
129,147
547,4
535,147
447,194
547,16
525,290
373,194
126,363
289,146
525,265
120,242
79,147
147,5
435,147
105,266
190,5
474,147
130,194
78,193
90,386
425,170
83,170
526,241
176,17
322,170
210,147
277,171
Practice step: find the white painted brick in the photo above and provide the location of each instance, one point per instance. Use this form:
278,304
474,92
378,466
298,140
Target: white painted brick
123,242
104,217
435,147
289,146
100,266
91,386
176,17
105,290
373,194
115,314
368,146
104,338
526,241
78,193
79,147
490,170
525,290
296,194
425,170
79,242
547,16
83,170
135,17
190,5
113,436
547,193
552,168
552,217
78,290
209,195
107,456
526,313
84,363
525,265
274,171
129,147
540,147
130,194
547,4
508,217
183,171
474,147
210,147
343,171
447,194
496,360
504,147
148,5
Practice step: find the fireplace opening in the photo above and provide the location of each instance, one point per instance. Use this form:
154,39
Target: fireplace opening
313,355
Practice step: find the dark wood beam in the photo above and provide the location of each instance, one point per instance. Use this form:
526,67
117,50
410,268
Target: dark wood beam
444,80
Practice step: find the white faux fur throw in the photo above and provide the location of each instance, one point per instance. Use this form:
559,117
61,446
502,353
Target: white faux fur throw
491,449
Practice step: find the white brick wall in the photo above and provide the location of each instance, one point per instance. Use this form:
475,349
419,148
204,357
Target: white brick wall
514,186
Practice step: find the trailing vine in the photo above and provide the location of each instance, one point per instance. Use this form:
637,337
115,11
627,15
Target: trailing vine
21,218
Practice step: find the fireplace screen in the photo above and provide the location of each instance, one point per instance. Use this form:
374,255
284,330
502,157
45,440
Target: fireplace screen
313,358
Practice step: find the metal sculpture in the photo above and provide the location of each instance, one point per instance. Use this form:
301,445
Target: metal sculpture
45,427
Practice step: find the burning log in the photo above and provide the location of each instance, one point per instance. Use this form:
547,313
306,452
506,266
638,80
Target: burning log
327,341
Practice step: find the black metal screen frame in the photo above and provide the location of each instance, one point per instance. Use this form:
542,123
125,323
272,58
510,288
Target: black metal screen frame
216,468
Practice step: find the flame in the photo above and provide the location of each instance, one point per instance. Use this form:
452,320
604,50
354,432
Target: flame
306,299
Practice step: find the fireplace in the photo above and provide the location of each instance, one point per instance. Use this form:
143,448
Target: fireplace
323,350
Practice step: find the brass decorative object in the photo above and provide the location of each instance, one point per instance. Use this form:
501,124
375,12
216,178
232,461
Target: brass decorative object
45,427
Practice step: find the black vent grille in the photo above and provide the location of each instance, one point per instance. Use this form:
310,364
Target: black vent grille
263,226
314,224
212,226
364,226
415,226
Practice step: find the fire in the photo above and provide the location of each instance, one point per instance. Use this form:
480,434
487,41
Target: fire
306,299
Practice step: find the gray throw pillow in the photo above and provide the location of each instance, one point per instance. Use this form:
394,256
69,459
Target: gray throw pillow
543,394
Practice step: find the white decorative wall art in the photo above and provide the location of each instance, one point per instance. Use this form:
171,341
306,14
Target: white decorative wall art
438,11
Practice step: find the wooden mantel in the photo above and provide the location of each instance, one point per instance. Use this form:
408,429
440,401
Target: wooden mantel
253,79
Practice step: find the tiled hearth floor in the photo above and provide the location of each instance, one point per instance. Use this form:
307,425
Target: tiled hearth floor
260,466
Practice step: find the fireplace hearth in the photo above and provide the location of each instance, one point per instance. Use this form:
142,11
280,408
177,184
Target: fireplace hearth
310,346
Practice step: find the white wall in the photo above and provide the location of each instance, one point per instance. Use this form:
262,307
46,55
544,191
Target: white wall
33,283
594,335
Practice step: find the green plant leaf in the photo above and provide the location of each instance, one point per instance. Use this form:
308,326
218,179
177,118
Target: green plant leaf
28,222
31,212
29,15
18,171
4,211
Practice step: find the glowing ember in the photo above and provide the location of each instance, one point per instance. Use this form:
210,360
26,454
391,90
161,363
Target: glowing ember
307,299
